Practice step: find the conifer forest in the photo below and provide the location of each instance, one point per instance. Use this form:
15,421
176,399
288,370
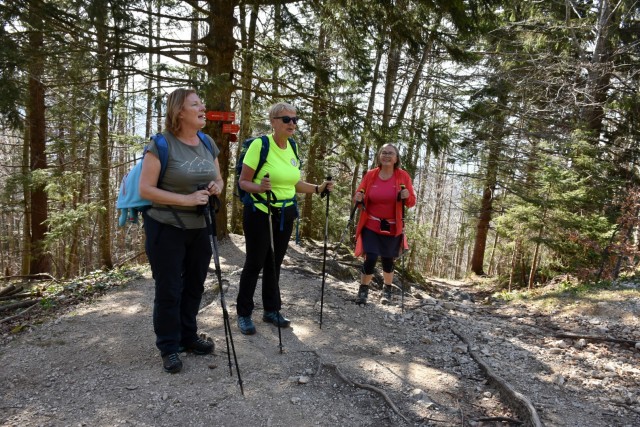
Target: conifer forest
518,121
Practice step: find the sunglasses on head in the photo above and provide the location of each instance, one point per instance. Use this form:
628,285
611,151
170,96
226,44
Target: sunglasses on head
287,119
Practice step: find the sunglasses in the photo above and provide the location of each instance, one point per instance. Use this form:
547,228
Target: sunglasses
287,119
388,153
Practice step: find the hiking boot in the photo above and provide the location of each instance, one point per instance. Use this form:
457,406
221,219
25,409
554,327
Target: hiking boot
200,347
386,295
246,325
276,318
171,363
363,294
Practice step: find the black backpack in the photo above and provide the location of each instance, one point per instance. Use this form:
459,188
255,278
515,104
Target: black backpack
264,152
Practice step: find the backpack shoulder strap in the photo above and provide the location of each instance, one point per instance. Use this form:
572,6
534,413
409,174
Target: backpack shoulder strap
163,153
264,152
205,141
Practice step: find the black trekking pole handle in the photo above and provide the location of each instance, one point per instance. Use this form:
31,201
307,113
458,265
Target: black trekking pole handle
211,225
324,256
273,260
355,207
326,191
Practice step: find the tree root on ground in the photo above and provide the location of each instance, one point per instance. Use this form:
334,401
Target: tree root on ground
522,404
595,338
352,383
499,420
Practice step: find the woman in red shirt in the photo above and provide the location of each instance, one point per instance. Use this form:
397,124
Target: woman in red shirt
380,231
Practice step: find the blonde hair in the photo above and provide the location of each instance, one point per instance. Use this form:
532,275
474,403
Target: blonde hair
396,164
175,102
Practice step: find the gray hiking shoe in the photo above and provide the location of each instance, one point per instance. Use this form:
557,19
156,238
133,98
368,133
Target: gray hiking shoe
386,295
363,294
276,318
246,325
171,363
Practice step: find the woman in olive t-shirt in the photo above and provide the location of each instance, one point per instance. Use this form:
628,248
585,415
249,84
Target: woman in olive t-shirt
177,240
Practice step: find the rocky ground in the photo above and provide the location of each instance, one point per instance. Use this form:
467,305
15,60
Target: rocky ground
448,356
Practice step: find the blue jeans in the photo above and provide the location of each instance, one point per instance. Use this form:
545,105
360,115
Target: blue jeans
179,262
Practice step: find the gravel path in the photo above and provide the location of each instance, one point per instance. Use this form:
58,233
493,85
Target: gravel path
368,366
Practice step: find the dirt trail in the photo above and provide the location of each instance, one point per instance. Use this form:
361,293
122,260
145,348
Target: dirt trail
368,366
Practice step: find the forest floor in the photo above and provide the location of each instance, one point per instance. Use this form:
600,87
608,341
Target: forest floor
448,356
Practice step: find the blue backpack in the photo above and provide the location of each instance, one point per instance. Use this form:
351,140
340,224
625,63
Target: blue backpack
129,201
245,197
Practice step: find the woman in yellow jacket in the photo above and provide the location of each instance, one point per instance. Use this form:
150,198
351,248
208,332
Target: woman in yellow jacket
380,231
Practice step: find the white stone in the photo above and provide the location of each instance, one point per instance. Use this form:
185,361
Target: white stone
581,343
558,379
460,348
303,380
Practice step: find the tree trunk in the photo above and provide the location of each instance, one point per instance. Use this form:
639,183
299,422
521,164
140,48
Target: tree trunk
437,214
494,146
26,197
39,260
319,139
486,210
219,50
150,98
491,269
599,74
104,215
363,146
248,43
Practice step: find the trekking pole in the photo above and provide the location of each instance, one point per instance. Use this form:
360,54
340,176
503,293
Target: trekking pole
273,259
325,192
348,227
402,187
211,225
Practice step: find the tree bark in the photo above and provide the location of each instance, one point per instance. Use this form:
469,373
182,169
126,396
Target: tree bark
39,260
319,139
599,74
219,50
104,224
248,43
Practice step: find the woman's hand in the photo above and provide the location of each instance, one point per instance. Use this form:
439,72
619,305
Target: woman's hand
359,196
198,198
404,193
327,185
214,189
265,185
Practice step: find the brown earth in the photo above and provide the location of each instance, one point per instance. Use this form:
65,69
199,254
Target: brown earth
446,357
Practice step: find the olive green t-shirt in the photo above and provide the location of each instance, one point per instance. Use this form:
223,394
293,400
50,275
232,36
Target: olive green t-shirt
282,166
187,167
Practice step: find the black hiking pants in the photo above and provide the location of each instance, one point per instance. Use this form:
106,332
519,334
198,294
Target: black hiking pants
179,263
258,256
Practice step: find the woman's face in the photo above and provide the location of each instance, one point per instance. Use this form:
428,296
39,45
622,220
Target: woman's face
388,156
193,112
279,125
